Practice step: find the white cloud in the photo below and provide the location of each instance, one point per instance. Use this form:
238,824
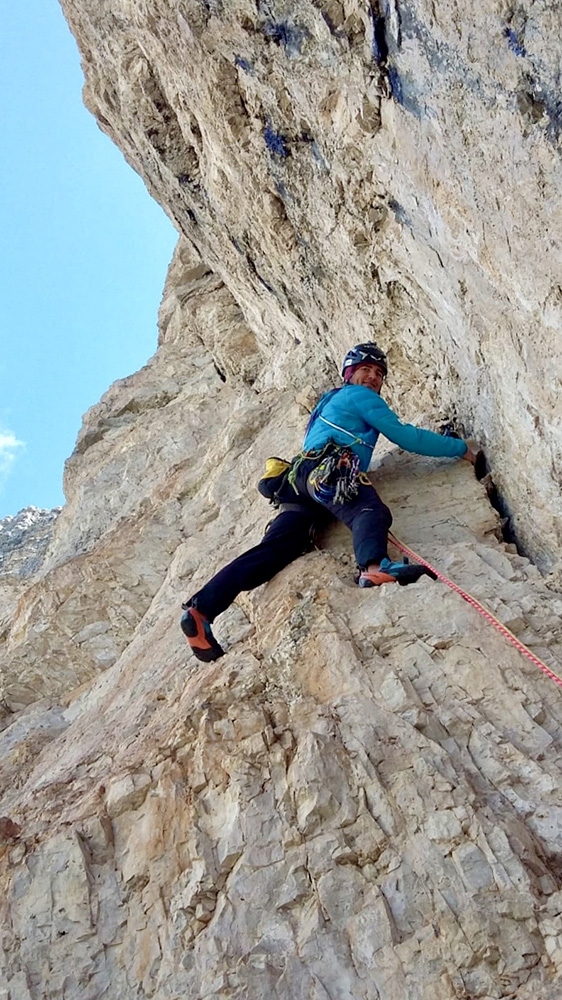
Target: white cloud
9,445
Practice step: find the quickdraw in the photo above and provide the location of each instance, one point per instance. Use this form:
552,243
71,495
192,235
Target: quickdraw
502,629
336,478
336,475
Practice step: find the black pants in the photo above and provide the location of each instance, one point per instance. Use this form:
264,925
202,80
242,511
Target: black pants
289,536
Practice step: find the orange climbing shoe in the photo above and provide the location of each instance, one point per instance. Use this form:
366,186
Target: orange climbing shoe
197,631
375,579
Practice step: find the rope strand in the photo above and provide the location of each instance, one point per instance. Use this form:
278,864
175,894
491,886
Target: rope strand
502,629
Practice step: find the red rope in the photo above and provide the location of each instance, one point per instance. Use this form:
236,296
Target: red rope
502,629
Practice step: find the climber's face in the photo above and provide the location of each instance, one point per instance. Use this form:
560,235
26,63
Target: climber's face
371,376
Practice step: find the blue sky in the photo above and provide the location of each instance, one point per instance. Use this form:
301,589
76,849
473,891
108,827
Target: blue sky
84,253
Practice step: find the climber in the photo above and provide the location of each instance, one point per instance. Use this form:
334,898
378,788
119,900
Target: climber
326,479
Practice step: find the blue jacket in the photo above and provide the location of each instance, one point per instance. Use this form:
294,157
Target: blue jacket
355,415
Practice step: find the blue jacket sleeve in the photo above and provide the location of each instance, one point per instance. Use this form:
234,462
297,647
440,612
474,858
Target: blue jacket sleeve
378,414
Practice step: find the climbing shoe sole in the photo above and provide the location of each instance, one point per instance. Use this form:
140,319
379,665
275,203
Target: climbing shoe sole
201,640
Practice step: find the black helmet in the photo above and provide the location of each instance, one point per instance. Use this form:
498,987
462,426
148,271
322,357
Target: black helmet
365,354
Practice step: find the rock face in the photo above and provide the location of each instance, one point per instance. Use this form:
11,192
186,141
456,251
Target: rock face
363,797
354,168
24,540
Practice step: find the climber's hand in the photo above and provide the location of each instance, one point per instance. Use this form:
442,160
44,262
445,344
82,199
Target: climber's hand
473,450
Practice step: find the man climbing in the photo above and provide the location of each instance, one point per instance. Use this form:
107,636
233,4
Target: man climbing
326,478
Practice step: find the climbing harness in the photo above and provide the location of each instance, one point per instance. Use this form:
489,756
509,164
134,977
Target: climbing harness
336,476
335,479
502,629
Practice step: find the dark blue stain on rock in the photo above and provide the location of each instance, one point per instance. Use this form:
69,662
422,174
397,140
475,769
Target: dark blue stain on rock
275,142
400,213
403,91
553,108
243,64
290,36
282,191
395,84
318,156
514,42
538,98
379,44
385,47
382,40
383,9
261,279
440,56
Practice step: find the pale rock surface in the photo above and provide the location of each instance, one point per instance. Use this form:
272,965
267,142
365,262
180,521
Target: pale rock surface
352,168
363,798
24,540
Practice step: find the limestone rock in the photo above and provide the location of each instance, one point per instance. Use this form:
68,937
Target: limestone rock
351,169
24,539
363,797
